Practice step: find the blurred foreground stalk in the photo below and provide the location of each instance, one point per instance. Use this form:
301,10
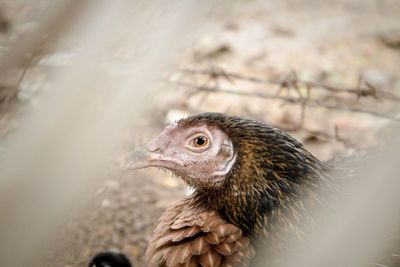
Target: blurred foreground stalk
363,228
63,144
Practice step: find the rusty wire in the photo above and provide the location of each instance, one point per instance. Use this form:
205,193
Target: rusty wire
291,82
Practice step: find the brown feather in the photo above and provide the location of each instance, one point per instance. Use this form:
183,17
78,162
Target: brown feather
176,255
234,236
165,239
199,246
243,243
193,262
213,238
196,238
226,229
185,233
210,259
226,249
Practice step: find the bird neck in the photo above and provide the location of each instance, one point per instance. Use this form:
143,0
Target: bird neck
252,196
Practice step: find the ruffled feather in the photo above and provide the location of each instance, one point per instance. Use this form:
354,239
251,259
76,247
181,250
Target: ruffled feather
191,236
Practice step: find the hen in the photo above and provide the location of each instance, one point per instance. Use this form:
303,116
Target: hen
252,185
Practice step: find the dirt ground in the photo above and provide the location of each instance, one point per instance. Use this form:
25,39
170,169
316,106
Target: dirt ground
332,42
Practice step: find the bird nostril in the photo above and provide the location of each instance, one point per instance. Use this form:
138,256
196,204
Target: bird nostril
153,148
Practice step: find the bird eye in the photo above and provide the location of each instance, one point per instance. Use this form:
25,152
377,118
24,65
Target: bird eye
200,141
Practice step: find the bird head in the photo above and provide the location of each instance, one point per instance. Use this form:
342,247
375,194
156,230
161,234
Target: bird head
206,150
198,151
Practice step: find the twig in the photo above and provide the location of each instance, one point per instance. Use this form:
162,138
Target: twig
27,67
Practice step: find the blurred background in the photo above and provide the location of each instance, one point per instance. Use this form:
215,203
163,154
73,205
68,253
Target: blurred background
82,83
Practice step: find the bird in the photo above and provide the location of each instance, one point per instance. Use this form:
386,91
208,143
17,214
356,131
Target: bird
109,259
252,186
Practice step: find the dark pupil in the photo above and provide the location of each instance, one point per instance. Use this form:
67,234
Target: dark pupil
200,141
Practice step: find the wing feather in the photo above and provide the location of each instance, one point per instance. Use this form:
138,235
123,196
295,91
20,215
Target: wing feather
210,259
200,246
189,236
226,249
176,255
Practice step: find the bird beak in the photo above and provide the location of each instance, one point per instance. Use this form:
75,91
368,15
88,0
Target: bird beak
149,156
139,159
